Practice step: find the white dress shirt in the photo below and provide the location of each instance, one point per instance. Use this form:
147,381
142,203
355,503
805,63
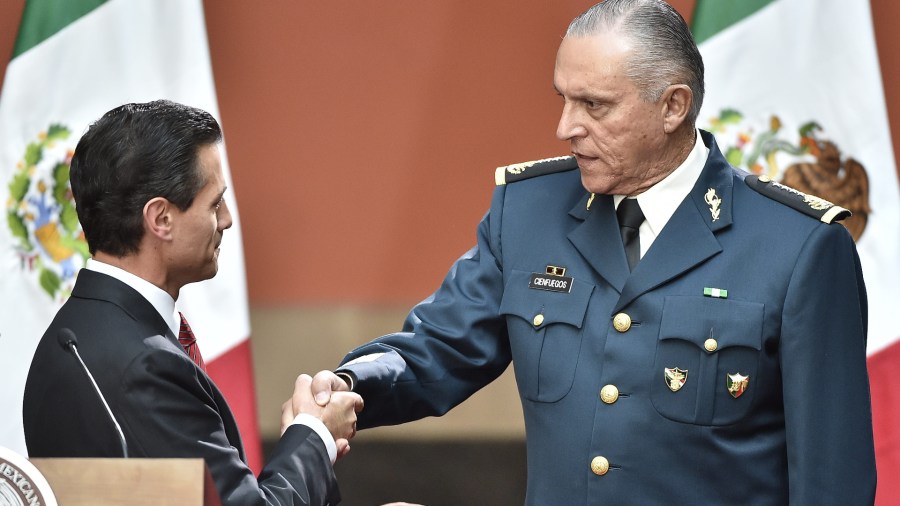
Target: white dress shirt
661,200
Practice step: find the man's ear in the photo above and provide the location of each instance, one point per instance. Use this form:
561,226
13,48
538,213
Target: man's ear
676,101
158,218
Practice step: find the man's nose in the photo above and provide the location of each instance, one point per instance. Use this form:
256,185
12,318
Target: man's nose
569,124
225,220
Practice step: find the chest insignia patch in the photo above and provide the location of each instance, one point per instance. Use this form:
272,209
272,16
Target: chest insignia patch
675,378
716,293
737,384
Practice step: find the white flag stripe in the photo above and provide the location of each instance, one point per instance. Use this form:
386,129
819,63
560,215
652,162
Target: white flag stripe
131,74
124,51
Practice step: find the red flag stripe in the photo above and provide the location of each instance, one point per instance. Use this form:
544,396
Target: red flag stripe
233,374
886,421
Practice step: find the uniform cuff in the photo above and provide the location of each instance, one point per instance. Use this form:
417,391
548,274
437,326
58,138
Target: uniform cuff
348,377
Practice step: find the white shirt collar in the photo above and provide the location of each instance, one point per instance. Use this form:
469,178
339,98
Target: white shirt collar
159,298
661,200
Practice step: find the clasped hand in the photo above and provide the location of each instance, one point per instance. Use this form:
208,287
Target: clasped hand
337,411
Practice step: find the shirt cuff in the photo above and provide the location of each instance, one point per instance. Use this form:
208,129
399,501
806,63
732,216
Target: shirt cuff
319,427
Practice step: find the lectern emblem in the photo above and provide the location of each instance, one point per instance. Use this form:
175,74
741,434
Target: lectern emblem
21,483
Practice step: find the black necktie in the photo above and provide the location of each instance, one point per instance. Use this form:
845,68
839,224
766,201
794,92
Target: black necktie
630,218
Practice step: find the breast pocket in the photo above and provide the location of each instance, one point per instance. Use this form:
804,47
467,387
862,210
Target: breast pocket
545,330
707,357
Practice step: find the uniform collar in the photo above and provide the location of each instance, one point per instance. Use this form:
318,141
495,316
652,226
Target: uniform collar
661,200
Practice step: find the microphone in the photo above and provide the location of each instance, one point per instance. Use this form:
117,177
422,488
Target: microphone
69,342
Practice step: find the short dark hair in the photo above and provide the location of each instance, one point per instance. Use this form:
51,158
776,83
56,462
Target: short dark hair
134,153
664,53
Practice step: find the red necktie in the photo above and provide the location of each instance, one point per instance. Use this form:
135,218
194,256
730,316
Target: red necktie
189,342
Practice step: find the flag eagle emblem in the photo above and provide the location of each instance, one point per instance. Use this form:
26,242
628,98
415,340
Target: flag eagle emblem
40,213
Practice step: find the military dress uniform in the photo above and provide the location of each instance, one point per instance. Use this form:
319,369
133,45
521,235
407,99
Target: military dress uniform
728,367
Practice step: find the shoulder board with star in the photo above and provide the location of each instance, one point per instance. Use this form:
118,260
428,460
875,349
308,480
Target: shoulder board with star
520,171
817,207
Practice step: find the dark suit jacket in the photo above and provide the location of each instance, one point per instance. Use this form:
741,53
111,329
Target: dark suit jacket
793,321
166,405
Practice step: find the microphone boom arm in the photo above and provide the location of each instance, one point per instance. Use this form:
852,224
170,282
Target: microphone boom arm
69,342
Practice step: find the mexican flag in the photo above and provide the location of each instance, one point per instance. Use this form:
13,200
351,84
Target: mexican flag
73,61
794,91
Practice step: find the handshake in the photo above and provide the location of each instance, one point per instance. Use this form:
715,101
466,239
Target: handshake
328,398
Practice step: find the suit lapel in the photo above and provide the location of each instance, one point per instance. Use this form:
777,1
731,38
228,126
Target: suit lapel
684,243
597,239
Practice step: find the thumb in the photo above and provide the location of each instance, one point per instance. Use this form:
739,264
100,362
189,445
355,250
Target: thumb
323,384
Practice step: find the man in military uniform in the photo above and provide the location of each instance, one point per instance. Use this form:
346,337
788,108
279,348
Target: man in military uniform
681,332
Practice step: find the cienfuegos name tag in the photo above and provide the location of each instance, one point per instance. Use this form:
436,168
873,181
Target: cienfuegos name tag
550,283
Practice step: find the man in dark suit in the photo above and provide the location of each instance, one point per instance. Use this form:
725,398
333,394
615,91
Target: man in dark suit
681,332
148,186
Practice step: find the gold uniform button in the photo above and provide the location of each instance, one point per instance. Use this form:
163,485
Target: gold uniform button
764,179
711,345
599,466
538,320
609,394
622,322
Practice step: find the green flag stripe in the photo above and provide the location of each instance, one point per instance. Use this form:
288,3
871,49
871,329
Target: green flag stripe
712,16
43,18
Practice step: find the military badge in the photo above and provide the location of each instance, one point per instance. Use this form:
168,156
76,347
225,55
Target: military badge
737,384
675,378
713,201
716,293
554,270
40,213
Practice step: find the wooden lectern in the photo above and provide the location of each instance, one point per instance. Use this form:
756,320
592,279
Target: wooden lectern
135,482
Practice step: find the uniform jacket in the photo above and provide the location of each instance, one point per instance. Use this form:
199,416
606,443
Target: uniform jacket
165,404
792,320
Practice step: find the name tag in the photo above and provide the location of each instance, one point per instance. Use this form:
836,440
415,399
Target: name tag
550,283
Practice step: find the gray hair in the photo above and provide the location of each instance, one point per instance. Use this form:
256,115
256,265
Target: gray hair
664,51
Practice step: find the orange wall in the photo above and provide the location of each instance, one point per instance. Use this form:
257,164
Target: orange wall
362,136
